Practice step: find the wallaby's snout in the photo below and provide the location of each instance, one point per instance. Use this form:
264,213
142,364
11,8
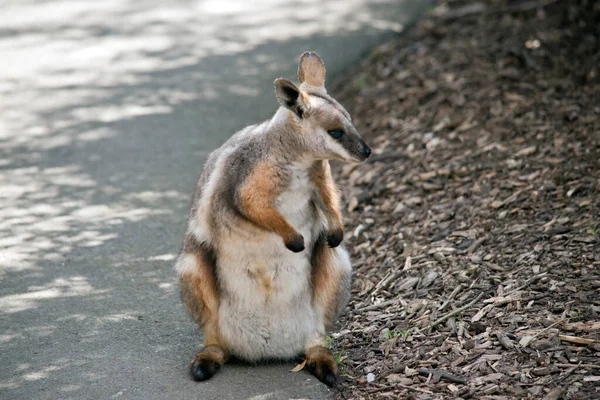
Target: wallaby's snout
366,150
353,147
358,149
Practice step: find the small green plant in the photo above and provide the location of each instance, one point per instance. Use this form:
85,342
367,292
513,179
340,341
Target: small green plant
594,230
339,358
345,373
329,341
343,368
398,333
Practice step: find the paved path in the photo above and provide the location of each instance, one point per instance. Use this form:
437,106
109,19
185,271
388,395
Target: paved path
107,111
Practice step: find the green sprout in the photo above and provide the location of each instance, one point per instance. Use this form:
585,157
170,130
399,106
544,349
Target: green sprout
329,341
398,333
339,359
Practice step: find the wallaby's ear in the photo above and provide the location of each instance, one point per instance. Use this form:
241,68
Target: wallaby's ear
311,70
290,96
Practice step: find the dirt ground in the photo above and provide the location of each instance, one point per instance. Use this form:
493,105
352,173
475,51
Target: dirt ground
475,227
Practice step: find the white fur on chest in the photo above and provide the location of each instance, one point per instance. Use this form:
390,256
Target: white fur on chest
266,310
295,202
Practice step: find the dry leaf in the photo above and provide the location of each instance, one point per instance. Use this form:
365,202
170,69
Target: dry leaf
299,367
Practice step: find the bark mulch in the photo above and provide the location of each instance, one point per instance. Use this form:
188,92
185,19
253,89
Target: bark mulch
475,226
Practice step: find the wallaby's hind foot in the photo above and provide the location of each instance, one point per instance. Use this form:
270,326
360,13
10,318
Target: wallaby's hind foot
321,364
207,362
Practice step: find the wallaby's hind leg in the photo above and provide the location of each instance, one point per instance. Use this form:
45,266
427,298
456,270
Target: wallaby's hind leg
199,294
207,362
321,364
331,279
331,274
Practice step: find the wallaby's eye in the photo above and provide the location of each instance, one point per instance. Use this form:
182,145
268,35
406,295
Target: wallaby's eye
336,133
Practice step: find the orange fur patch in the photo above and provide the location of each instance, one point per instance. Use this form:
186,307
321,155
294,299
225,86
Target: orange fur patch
329,194
258,195
326,281
200,297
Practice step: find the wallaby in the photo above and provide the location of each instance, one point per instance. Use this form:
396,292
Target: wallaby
261,270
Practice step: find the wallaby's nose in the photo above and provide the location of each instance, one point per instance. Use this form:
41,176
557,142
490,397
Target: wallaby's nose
367,151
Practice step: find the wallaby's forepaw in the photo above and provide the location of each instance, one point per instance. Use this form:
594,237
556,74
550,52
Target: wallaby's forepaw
335,237
321,364
295,243
206,363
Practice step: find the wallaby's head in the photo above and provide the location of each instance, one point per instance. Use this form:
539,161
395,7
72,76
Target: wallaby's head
326,127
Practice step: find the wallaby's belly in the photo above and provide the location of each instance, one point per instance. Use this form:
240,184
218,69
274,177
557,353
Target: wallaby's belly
266,303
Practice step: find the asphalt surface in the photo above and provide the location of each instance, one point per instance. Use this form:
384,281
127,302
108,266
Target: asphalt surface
107,112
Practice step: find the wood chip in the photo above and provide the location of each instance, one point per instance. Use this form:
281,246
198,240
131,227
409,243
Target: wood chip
481,313
438,375
480,380
526,151
504,340
525,340
554,394
453,388
590,366
587,326
578,340
352,204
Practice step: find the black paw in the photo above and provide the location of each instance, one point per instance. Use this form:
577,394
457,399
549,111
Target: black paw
335,238
296,244
202,370
324,371
329,378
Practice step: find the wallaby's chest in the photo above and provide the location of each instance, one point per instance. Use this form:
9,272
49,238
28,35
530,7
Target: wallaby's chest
274,271
269,286
295,202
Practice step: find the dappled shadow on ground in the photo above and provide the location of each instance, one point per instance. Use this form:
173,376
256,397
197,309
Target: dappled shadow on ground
109,109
